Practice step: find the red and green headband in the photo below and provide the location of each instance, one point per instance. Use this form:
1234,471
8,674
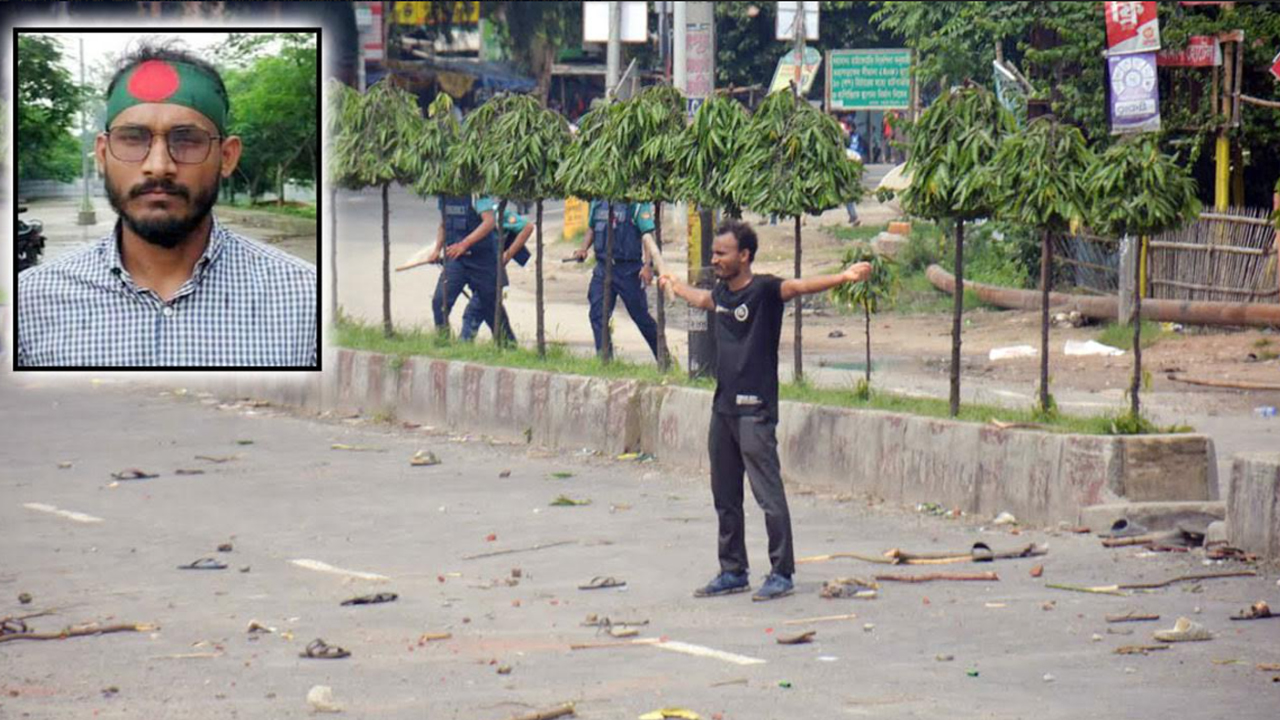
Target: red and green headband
172,82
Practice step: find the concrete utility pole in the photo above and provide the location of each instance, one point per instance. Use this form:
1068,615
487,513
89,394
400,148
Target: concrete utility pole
87,216
613,56
695,77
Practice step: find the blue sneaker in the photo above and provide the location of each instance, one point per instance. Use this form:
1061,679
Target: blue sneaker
724,584
775,586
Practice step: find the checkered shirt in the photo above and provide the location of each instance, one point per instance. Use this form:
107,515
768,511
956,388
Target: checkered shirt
246,304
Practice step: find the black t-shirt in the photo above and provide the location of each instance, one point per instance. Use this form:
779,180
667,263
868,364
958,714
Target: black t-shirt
748,327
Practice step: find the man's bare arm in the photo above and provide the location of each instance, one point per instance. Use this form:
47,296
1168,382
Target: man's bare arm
696,297
794,287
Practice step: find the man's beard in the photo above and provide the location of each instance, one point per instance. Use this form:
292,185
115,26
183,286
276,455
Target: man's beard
166,232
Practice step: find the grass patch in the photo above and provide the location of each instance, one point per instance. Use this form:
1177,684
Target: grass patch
862,233
559,359
301,210
1121,336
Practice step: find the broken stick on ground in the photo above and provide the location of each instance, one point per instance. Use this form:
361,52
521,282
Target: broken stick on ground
510,551
963,577
80,631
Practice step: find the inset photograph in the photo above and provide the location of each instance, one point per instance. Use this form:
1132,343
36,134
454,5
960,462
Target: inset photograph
166,200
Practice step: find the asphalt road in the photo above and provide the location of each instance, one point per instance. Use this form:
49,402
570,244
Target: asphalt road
282,494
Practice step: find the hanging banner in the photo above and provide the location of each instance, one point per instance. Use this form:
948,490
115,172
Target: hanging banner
1135,94
785,73
1201,51
1131,27
1275,66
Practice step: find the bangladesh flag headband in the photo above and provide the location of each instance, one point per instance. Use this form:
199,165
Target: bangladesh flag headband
166,81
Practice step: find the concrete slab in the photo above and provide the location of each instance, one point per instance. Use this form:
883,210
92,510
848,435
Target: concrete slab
1253,504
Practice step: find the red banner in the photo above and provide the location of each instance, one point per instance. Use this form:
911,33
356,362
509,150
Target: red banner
1275,66
1201,51
1131,27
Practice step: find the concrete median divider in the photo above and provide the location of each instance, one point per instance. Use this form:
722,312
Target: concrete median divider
1038,476
1253,504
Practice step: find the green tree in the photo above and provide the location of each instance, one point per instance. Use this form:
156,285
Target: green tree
594,167
868,295
385,117
273,100
952,148
656,117
706,152
1137,191
1040,173
47,100
343,105
528,144
791,162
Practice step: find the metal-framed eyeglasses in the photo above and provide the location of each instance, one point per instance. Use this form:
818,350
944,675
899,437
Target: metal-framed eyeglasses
186,145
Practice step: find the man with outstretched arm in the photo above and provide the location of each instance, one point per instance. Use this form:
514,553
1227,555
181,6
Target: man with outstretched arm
744,418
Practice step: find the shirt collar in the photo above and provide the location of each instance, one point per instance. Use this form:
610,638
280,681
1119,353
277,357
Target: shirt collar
219,238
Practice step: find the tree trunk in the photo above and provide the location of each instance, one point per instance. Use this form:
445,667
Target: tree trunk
957,318
606,337
333,254
797,375
1136,319
498,337
280,185
1046,274
664,355
866,312
386,263
542,331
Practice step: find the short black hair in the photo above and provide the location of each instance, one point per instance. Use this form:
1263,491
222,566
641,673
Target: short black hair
743,234
168,50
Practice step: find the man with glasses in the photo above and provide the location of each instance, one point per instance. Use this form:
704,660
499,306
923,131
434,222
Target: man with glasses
170,286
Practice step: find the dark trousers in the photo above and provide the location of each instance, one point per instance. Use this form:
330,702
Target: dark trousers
748,443
474,316
458,274
627,286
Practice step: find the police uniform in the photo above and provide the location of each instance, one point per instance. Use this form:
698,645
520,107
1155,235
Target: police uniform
475,270
512,225
630,221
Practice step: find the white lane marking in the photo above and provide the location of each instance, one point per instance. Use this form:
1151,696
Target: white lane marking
69,514
700,651
326,567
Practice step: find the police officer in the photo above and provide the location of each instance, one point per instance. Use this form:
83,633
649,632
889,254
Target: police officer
631,272
516,230
470,247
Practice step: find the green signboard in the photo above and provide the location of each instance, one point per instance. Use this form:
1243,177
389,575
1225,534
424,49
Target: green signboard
869,79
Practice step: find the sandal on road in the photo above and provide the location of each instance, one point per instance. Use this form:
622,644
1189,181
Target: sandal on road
133,474
1123,528
373,599
321,650
600,583
204,563
982,552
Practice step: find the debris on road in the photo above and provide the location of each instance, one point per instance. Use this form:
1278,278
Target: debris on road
800,639
849,587
980,552
552,714
133,474
566,501
188,471
24,598
504,670
424,458
540,546
1257,611
1098,590
622,643
356,448
1131,617
217,460
225,547
1014,352
1087,348
425,638
1188,578
664,713
374,599
623,632
930,577
1037,571
64,465
820,618
1138,649
942,657
320,697
80,631
561,475
504,474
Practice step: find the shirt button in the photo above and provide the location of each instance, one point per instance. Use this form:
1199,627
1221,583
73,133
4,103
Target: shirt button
168,311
